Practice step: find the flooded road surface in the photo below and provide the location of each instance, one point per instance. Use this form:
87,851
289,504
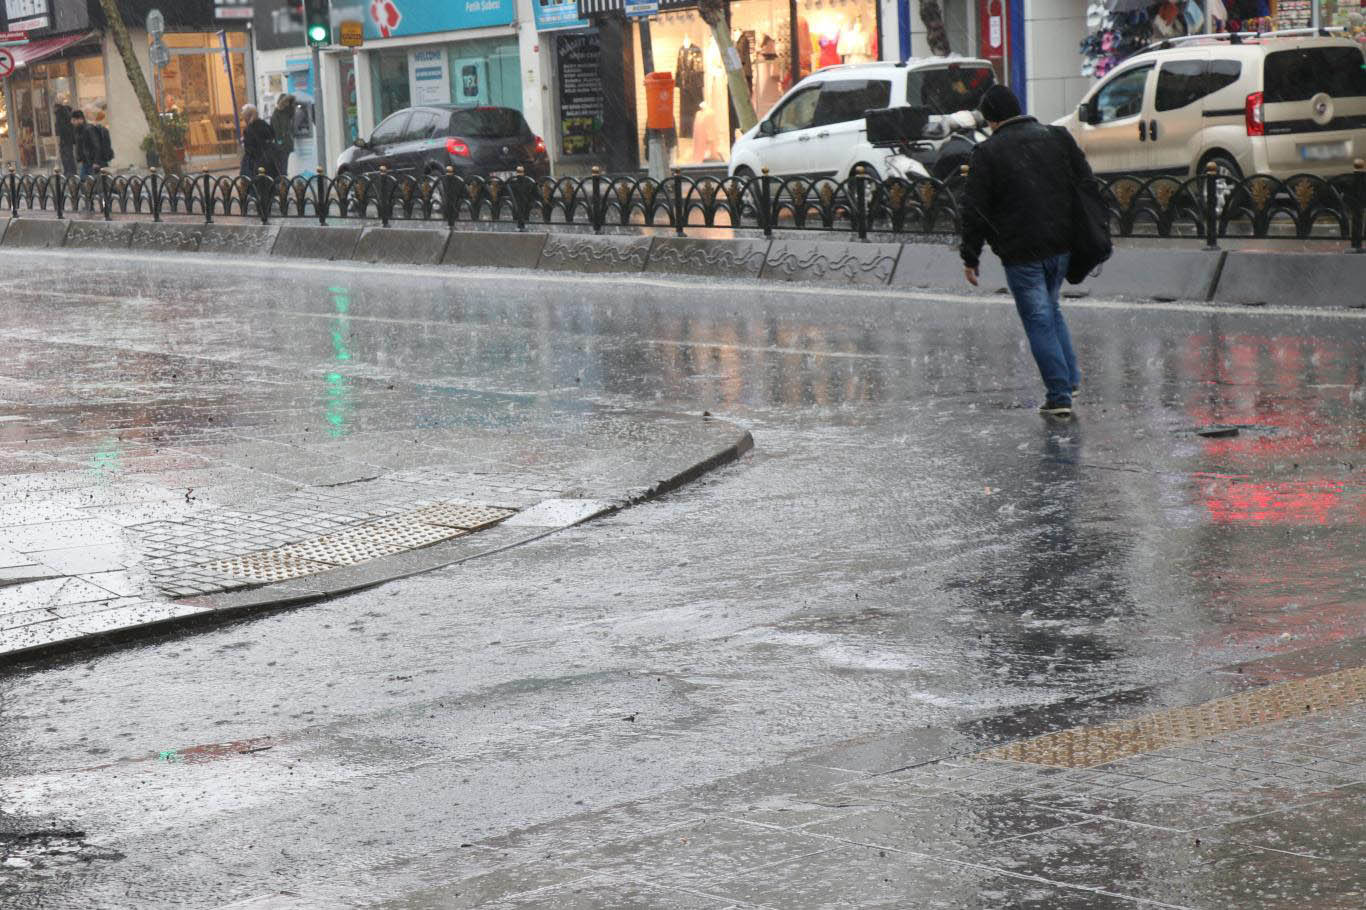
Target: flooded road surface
909,548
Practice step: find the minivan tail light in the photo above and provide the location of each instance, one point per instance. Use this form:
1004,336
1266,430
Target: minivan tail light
1255,114
459,148
540,146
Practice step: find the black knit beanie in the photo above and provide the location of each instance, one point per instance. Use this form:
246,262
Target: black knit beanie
999,104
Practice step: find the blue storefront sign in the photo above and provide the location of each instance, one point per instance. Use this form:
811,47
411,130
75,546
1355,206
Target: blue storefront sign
641,8
398,18
556,14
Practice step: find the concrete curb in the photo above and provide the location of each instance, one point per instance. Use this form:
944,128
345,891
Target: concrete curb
211,610
1301,278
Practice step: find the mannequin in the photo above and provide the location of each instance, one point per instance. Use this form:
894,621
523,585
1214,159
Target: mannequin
768,77
704,134
855,43
689,76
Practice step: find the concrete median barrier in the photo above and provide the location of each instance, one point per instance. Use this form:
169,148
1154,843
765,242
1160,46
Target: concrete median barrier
1326,280
35,233
167,238
932,266
401,246
314,241
592,253
720,258
1157,275
239,239
116,235
846,262
494,249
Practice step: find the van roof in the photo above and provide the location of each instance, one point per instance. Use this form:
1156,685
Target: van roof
1255,43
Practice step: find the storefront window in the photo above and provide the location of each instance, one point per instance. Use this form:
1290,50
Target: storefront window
196,85
36,92
827,32
476,73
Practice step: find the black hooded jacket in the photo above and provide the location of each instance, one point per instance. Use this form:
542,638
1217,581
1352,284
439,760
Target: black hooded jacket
1019,193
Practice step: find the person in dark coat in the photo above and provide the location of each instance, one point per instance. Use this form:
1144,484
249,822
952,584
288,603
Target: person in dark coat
258,144
282,125
88,149
1019,198
66,134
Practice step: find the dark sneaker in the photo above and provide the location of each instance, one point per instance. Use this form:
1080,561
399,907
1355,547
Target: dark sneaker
1056,408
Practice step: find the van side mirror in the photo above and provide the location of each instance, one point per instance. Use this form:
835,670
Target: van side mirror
766,128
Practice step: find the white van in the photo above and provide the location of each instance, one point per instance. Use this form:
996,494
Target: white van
1279,103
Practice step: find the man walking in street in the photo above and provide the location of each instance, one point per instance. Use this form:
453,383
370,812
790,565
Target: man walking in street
66,134
1019,198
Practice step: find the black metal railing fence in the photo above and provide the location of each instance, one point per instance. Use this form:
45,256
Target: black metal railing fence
1207,207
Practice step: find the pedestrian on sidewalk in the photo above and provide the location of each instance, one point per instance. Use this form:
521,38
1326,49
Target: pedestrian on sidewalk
282,124
87,143
258,144
106,142
1019,198
66,134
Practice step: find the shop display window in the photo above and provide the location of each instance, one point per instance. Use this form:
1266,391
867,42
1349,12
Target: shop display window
828,32
196,86
481,72
36,91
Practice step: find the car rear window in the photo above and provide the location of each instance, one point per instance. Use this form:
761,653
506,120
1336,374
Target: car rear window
843,100
488,123
1300,74
956,87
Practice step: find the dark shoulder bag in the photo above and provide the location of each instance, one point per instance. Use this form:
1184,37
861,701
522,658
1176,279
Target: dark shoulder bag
1091,245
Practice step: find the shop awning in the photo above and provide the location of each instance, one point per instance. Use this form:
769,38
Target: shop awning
598,7
34,51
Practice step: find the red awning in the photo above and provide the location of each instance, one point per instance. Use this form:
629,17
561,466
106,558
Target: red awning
34,51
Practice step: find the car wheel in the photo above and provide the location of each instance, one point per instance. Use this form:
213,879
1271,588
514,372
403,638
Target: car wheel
744,173
868,170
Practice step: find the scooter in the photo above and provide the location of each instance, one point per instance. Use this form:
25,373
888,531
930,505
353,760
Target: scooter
924,144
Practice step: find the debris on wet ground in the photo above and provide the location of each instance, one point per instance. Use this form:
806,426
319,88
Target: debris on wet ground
1217,432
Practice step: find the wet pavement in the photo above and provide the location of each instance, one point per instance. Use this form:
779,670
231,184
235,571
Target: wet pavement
652,709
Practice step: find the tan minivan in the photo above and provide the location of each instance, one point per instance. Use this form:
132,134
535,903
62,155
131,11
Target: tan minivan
1270,104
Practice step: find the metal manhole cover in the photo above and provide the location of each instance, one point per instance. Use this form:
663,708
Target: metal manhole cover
271,565
461,515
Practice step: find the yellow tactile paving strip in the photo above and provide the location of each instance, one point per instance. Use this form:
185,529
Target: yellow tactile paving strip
1086,747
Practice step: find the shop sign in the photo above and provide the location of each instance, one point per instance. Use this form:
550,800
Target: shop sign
431,83
577,58
558,14
641,8
10,39
16,10
351,33
30,25
397,18
233,12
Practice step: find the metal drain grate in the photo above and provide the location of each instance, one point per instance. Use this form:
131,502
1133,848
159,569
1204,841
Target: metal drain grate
1086,747
462,515
268,566
371,541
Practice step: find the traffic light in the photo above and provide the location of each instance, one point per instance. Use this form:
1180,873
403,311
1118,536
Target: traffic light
317,22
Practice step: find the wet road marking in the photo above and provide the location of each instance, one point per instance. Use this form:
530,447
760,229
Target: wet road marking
748,288
1087,747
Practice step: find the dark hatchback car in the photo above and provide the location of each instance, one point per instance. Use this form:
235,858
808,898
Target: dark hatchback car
476,141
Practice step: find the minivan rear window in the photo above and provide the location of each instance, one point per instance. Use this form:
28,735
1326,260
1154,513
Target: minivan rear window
956,87
843,100
1300,74
487,123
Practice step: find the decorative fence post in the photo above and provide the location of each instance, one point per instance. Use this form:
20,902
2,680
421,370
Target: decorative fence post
1358,204
384,195
1211,206
155,201
860,204
450,206
12,191
207,197
519,198
264,188
107,196
680,205
765,205
322,199
58,197
597,215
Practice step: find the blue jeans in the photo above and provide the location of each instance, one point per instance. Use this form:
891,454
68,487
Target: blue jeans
1037,287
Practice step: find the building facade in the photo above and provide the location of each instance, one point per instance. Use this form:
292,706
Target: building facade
71,55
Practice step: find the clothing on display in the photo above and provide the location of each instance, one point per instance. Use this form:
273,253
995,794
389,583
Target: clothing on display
689,82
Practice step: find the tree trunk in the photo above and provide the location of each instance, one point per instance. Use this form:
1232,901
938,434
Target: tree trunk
935,34
170,157
714,14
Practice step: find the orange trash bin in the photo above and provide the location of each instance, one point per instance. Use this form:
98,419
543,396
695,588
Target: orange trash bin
659,101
